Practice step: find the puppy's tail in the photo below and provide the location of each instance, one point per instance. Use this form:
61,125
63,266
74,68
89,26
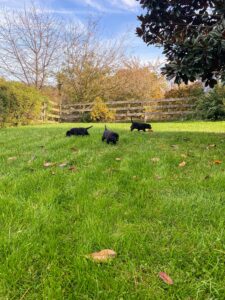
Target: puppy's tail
89,127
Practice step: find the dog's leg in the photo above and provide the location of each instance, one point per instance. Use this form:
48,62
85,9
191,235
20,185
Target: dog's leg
107,141
103,138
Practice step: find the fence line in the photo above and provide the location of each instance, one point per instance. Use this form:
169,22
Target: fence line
154,110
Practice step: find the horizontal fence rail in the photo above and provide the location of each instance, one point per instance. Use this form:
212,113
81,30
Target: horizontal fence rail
147,110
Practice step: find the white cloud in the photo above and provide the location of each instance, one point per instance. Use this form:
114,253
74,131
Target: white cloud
130,3
94,4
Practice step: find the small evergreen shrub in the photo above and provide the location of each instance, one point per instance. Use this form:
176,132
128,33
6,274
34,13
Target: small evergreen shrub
100,112
211,105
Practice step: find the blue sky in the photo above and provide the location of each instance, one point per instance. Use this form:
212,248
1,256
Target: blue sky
117,17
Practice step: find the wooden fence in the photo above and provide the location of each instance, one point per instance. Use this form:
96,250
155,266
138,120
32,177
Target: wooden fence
152,110
51,112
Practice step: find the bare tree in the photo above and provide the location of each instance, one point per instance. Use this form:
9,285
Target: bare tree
89,58
29,44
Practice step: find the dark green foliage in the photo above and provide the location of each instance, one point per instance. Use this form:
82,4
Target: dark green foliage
86,117
192,34
19,103
211,105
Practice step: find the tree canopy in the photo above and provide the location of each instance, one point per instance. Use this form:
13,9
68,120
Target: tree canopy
192,34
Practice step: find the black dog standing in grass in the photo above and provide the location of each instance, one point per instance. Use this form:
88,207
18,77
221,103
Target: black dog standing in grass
110,136
139,126
78,131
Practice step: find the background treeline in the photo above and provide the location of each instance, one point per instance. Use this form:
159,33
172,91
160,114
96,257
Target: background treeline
39,54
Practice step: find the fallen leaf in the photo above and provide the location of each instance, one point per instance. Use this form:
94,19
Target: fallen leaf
62,165
158,177
182,164
103,255
118,159
12,158
166,278
217,162
72,168
183,155
211,146
155,159
174,146
48,164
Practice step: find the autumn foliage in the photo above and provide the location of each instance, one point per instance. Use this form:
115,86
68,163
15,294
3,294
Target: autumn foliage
100,111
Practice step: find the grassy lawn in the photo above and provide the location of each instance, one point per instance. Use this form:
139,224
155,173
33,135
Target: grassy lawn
156,215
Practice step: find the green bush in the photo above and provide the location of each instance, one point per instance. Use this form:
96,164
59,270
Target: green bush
211,105
86,117
100,112
19,103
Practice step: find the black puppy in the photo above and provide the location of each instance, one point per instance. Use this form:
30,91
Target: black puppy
78,131
139,126
110,136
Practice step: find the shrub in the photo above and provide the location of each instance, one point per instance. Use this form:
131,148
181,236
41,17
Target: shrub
211,105
86,117
19,103
185,91
100,112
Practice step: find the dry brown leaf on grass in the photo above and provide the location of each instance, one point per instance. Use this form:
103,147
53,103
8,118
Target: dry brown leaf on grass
158,177
118,159
62,165
217,162
72,168
155,159
48,164
182,164
166,278
211,146
12,158
174,146
103,255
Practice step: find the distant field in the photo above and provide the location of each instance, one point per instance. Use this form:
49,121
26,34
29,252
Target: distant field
156,215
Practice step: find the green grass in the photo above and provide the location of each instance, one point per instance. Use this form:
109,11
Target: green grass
155,215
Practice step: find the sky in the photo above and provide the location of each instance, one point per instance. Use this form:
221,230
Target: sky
116,17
